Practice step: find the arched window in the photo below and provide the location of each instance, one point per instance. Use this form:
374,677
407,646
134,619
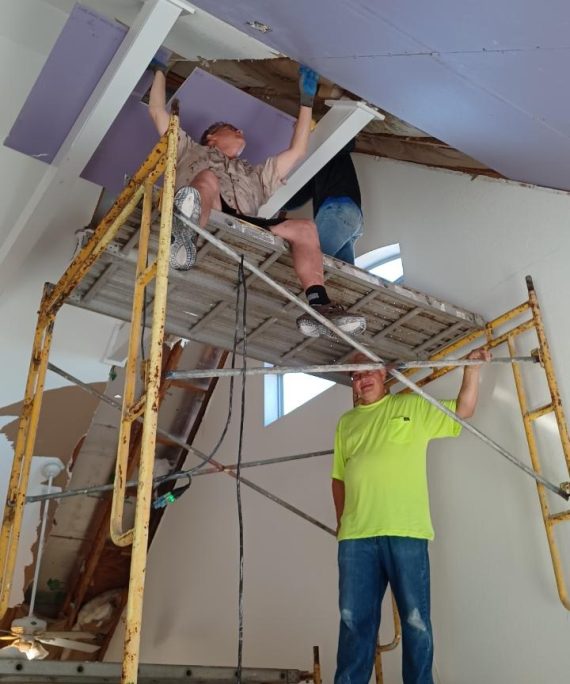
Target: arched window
285,393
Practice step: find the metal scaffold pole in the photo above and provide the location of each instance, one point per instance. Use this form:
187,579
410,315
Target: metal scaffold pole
146,405
53,298
24,449
338,368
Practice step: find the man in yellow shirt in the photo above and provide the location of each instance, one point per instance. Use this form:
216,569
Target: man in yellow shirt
380,494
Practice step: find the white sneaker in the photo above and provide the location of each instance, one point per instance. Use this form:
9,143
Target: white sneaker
187,205
351,324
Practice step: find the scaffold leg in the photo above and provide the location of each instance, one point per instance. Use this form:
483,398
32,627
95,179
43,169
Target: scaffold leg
131,409
150,421
27,428
529,418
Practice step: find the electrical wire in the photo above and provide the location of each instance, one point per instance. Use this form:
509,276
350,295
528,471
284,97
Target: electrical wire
171,496
242,283
196,468
174,494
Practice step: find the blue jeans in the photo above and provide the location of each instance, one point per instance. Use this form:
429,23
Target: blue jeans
339,223
365,568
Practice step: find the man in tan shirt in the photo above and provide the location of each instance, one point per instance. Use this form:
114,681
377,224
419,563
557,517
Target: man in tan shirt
210,175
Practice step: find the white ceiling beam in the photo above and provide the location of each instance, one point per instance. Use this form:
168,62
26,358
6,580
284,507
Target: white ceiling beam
53,193
338,126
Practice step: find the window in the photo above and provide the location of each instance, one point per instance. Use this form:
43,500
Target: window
285,393
385,262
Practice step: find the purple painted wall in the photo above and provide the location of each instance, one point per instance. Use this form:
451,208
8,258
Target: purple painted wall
77,61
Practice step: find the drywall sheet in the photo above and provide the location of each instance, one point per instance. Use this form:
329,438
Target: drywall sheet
124,147
203,99
79,58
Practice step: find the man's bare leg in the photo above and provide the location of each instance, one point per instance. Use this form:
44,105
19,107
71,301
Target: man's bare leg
303,239
306,252
209,188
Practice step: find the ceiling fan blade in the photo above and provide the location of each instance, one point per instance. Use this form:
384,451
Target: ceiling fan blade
7,638
66,635
69,643
32,650
11,652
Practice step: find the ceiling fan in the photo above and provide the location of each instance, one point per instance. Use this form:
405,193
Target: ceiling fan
27,634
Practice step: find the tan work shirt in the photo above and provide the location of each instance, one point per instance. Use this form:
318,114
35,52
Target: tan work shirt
243,186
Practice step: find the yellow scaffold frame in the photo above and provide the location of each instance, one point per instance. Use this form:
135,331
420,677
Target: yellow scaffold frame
496,335
161,161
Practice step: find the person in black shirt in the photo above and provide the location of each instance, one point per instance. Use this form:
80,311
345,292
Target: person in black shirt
336,205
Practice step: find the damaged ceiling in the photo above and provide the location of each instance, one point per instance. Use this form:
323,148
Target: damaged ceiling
91,40
275,81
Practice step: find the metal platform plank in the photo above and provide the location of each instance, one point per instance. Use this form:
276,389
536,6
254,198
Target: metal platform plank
402,323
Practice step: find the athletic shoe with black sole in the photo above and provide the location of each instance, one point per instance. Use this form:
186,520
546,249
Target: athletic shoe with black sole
350,324
187,205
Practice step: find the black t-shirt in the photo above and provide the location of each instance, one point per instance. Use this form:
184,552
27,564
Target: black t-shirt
337,178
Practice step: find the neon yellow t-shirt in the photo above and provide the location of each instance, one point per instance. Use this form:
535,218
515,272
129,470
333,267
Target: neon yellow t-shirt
380,455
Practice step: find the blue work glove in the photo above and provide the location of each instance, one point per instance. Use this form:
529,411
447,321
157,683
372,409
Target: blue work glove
308,81
156,65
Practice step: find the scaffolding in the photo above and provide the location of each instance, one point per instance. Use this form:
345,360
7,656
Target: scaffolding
404,325
41,671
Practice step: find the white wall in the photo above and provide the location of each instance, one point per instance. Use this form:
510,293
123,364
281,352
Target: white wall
496,615
28,30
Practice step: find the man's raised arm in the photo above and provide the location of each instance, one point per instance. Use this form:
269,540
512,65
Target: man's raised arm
469,392
157,100
308,80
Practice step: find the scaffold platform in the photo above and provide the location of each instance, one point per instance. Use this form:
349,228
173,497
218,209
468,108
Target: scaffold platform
402,323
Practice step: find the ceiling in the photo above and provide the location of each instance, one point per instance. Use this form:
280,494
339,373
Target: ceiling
275,81
91,39
487,78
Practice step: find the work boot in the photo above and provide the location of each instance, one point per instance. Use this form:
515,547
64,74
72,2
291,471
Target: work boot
183,239
349,323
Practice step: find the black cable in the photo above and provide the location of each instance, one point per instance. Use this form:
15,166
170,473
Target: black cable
174,494
241,279
195,469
